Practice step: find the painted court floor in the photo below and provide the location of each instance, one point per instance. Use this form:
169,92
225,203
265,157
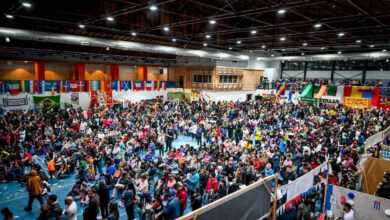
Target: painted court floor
15,197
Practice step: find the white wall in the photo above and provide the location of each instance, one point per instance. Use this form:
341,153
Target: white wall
272,73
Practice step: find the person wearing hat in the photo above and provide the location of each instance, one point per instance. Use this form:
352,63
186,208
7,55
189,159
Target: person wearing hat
34,188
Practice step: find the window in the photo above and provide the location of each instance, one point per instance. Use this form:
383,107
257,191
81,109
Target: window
228,79
202,78
293,65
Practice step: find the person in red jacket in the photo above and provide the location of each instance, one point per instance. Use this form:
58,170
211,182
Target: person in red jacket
181,194
212,183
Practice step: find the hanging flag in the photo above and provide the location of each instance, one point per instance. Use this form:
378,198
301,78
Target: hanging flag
332,90
95,85
87,86
41,86
47,102
115,85
138,85
81,85
28,86
163,85
126,85
149,85
171,84
65,86
109,98
14,87
3,87
107,86
74,86
157,85
58,86
94,101
347,91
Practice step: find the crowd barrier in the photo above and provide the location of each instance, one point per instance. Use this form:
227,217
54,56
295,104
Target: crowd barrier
376,138
250,203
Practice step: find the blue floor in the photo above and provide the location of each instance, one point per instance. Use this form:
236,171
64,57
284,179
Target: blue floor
15,197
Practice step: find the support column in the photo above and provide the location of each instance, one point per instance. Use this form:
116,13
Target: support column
114,72
332,71
79,71
281,70
39,70
364,72
305,70
142,73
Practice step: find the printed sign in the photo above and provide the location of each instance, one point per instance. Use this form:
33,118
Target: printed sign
357,102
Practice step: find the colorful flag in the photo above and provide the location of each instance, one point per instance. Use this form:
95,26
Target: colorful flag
47,102
138,85
126,85
171,84
74,86
94,101
163,85
149,85
95,85
14,87
3,87
65,86
82,86
115,85
28,86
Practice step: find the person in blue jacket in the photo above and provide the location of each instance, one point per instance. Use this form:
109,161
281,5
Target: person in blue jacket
193,180
171,207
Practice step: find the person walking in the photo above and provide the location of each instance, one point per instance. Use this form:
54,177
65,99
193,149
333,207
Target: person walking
34,188
129,200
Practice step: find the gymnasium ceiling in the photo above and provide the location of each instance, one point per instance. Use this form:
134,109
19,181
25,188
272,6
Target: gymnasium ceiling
258,26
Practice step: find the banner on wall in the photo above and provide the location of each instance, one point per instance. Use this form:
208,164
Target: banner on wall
74,97
7,102
47,102
357,102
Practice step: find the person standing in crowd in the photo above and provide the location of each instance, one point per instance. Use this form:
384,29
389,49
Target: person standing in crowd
129,199
113,213
348,212
34,188
169,138
103,192
70,211
7,214
92,210
171,207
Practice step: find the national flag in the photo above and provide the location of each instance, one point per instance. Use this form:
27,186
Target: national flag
115,85
87,86
74,86
126,85
157,85
28,86
95,85
149,85
105,86
138,85
41,86
65,86
171,84
163,85
332,91
82,86
14,87
94,101
47,102
3,87
109,98
347,91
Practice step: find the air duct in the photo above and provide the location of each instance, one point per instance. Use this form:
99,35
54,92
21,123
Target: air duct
28,35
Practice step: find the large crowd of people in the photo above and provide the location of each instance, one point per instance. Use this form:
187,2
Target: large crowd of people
124,157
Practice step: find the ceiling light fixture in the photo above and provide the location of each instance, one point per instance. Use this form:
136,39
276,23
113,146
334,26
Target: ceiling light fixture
304,44
340,34
26,4
107,48
358,41
282,38
81,26
205,44
318,25
322,48
384,50
208,36
230,48
251,51
272,55
153,8
109,18
239,42
9,16
263,46
166,28
372,45
7,40
174,39
253,32
303,54
133,33
281,11
339,52
25,61
212,21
